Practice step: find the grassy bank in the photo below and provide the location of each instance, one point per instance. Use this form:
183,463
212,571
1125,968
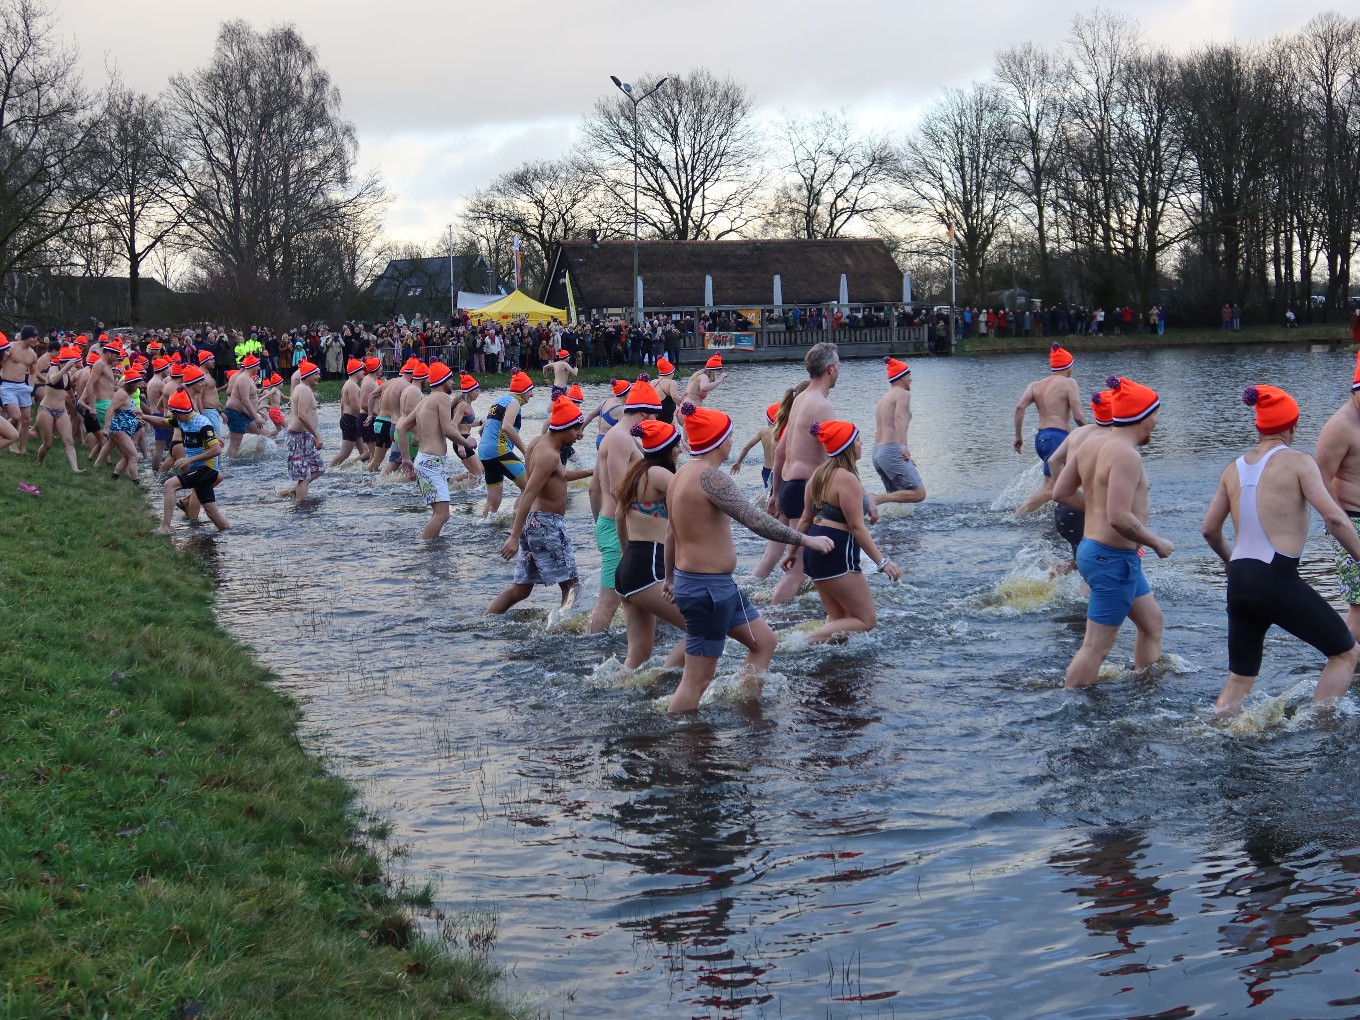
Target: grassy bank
1315,334
168,849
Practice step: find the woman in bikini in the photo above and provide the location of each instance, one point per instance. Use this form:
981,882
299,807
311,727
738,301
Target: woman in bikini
124,423
53,412
609,409
642,522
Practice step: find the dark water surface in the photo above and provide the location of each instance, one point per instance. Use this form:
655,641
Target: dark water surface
920,824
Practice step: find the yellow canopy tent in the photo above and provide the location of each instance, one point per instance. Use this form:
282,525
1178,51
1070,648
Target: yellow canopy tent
512,306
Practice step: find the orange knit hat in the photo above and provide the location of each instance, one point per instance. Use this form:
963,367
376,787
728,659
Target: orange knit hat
835,436
521,383
206,356
772,412
642,396
705,428
440,373
352,367
1276,410
193,374
180,402
421,373
619,386
1131,402
1059,360
664,367
307,369
575,394
410,366
372,364
654,436
896,369
467,384
132,375
250,361
714,362
1101,408
1355,385
565,415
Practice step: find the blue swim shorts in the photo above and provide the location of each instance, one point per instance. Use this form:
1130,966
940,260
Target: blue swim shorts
1045,442
1116,579
712,605
238,422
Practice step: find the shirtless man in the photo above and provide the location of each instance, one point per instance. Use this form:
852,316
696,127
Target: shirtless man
435,426
244,414
413,395
155,404
700,558
538,541
1338,458
706,380
615,456
1268,491
369,399
798,453
205,392
892,457
386,406
1070,522
16,386
561,370
1058,400
99,389
304,441
1114,496
351,397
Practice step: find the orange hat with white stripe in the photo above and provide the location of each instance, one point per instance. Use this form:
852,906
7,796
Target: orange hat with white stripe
180,403
1059,360
664,367
705,428
896,369
307,369
835,436
1101,408
1131,402
565,415
714,362
654,436
1276,410
440,373
521,384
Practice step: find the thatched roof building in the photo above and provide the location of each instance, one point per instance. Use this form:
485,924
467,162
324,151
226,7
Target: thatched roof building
743,273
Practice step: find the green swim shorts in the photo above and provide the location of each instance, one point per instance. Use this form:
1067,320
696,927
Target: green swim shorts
607,538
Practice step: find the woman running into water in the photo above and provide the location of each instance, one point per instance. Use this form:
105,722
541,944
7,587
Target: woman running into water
54,410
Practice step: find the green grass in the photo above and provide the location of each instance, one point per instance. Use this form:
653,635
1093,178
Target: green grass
165,842
1316,333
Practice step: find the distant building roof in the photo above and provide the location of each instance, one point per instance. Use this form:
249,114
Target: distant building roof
743,272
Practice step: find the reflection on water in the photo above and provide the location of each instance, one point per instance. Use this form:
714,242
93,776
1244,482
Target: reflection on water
920,823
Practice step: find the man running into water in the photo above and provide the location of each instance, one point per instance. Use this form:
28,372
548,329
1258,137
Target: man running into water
243,405
16,386
369,391
350,410
387,409
1114,495
414,394
1070,522
1338,458
561,370
434,424
798,453
304,439
700,558
538,541
892,456
500,439
194,448
1268,491
1058,401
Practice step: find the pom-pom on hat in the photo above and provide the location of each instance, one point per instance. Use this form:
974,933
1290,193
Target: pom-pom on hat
705,428
565,415
307,369
1059,360
1101,408
772,412
467,384
575,394
440,373
521,383
1131,402
180,403
352,367
654,436
642,398
619,386
714,362
664,367
1276,410
896,369
372,364
835,436
421,373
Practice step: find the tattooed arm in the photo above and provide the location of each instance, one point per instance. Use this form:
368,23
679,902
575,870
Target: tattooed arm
723,493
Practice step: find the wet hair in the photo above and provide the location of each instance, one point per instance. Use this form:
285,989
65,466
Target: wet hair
819,358
821,478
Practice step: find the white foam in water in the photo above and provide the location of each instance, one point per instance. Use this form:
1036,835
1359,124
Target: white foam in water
1020,489
611,673
1034,581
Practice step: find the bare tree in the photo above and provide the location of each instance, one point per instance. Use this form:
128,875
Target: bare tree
46,182
957,164
834,176
698,155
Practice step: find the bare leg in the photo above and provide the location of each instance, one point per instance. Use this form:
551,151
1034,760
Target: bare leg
640,612
8,433
19,418
45,435
514,594
567,587
699,670
789,584
1336,676
215,515
1353,621
171,488
774,552
65,427
1084,668
849,605
916,495
437,520
1238,687
603,613
1041,496
1147,617
493,499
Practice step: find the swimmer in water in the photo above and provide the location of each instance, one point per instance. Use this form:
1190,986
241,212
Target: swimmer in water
892,456
1058,401
834,508
1069,521
1338,458
1107,480
1268,491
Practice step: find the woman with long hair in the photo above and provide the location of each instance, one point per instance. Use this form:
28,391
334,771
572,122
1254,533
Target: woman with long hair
773,550
642,521
835,508
54,411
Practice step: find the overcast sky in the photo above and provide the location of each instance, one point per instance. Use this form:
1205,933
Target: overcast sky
447,95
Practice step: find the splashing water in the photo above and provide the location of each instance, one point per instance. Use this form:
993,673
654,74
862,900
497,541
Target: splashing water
1019,489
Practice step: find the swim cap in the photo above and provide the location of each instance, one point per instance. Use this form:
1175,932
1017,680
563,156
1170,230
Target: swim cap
180,402
468,384
1131,402
1059,360
307,369
1102,409
705,428
372,364
206,356
521,383
619,386
714,362
772,412
352,367
1276,410
565,415
654,436
896,369
835,436
440,373
575,394
642,397
664,367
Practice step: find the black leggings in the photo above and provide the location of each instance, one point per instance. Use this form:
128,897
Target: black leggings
1262,594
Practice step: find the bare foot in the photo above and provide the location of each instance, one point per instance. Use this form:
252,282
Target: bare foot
162,530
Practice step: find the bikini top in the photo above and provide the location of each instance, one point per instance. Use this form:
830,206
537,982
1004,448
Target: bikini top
656,509
605,415
834,514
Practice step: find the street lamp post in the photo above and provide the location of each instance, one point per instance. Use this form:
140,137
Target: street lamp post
627,89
